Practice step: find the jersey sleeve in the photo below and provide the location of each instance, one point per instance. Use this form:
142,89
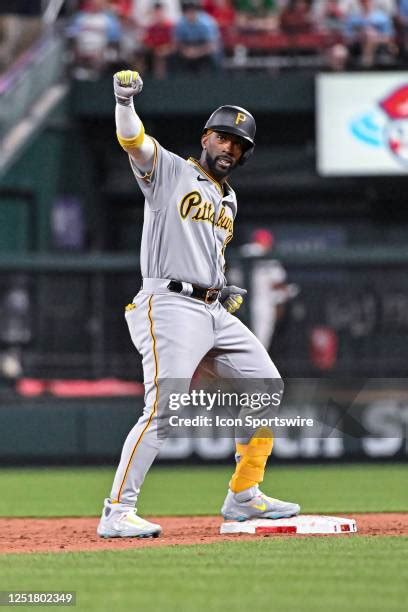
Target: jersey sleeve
160,182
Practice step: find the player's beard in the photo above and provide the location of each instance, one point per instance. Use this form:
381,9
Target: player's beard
217,172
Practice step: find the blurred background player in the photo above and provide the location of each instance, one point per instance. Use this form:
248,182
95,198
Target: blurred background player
269,288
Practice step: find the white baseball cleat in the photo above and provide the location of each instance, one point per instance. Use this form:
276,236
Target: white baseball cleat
253,504
119,521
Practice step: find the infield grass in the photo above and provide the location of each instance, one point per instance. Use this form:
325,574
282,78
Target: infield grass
200,491
308,575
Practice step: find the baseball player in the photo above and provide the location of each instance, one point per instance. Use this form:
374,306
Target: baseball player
184,309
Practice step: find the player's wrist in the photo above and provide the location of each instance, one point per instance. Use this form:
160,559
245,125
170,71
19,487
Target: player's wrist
122,100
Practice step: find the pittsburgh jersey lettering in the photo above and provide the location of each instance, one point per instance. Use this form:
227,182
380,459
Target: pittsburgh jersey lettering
198,209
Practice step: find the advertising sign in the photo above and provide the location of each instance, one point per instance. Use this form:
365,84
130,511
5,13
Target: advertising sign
362,124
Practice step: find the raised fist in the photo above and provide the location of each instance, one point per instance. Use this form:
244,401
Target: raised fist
126,84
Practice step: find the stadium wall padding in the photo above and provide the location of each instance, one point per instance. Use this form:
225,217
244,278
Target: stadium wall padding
287,93
92,430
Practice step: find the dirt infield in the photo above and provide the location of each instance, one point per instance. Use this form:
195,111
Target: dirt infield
27,535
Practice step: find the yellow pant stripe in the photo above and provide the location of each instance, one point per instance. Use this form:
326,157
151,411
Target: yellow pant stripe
132,143
156,400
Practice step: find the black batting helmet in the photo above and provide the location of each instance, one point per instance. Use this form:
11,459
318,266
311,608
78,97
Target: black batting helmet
234,120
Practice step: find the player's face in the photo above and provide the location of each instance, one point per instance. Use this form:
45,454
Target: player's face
222,153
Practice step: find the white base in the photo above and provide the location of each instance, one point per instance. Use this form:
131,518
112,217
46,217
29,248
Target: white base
304,524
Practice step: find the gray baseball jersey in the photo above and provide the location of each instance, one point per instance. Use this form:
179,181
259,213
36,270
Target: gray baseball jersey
188,221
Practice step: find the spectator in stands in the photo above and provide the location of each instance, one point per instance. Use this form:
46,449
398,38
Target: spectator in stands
131,49
20,26
403,9
337,57
158,40
296,17
256,15
370,33
222,11
197,38
402,26
329,15
122,8
388,6
95,34
348,6
141,10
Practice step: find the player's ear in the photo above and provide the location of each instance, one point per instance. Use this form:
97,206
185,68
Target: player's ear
204,139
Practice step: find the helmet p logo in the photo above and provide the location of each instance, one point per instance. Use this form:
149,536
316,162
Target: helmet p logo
240,118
